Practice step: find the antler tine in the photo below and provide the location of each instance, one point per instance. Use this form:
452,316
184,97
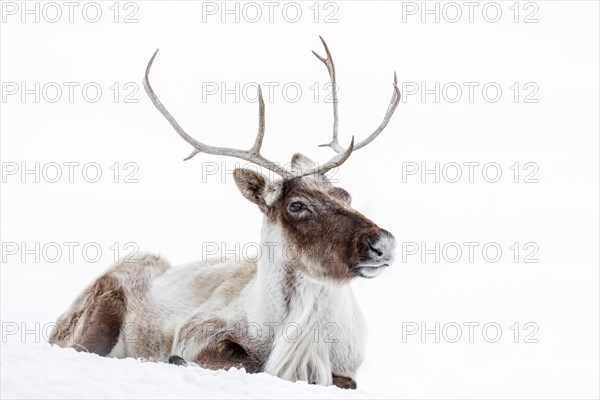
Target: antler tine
253,155
331,70
261,124
334,162
386,119
343,154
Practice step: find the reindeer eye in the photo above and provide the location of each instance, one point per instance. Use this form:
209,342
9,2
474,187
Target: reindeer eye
296,206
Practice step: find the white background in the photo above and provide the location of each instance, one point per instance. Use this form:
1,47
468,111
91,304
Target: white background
173,210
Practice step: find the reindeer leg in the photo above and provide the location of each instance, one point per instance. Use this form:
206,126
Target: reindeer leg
224,352
344,382
176,360
93,323
211,345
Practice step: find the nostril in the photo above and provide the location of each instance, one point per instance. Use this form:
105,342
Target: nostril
374,249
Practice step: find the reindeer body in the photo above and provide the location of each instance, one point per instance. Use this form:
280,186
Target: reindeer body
274,314
290,313
240,297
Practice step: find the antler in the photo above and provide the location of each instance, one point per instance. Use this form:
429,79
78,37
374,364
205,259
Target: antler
386,119
253,155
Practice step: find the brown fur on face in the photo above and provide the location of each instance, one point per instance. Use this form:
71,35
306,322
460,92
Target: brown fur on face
323,235
327,232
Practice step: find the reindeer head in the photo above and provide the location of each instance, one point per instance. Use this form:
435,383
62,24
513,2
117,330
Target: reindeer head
313,220
317,229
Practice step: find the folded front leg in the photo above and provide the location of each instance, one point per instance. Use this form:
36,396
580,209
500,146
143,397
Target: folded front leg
210,344
344,382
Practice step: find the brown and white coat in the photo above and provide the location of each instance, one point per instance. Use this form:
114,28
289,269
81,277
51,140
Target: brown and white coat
291,312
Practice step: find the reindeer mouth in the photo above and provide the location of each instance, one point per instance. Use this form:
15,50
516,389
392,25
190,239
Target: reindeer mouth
369,271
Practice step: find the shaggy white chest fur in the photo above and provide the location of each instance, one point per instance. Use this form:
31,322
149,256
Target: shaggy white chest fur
319,328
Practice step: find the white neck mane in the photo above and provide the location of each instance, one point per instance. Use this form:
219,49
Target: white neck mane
308,316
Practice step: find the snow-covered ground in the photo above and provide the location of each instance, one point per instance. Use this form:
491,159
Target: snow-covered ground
66,374
440,325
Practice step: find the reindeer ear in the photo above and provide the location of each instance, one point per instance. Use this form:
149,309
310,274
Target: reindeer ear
251,185
301,163
341,194
256,187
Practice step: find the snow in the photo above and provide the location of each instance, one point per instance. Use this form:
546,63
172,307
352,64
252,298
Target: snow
176,207
67,374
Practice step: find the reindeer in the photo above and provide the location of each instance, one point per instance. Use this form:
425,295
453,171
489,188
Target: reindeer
238,313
